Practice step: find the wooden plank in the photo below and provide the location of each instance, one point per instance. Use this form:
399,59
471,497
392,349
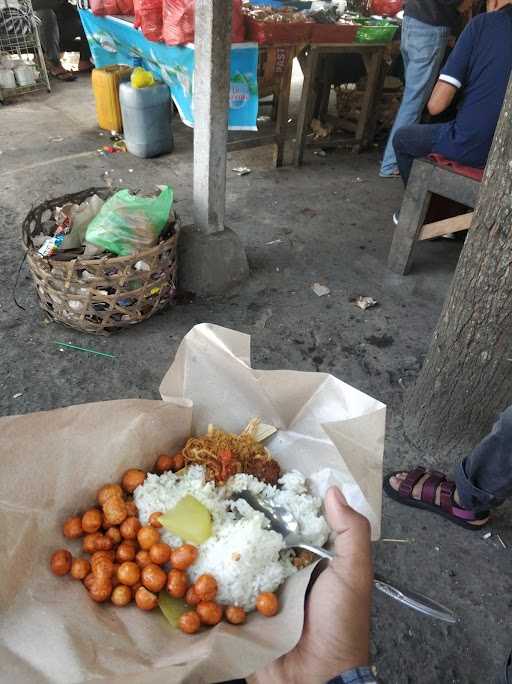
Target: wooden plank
306,103
372,91
282,111
449,225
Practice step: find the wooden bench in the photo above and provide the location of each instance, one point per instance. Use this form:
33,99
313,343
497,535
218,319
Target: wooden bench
438,176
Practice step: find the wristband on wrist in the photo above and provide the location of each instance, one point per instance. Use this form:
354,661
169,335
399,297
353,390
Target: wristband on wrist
359,675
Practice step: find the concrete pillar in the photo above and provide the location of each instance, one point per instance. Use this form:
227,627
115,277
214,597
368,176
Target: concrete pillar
211,258
211,97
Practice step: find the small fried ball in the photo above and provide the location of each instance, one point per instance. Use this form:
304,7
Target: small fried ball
147,536
177,583
89,542
191,597
100,589
60,562
206,587
145,599
121,595
91,521
107,491
114,534
235,615
88,580
132,479
184,556
143,558
72,528
102,566
130,527
209,612
125,552
80,568
132,509
103,543
179,462
160,553
267,604
154,519
164,463
128,573
153,578
114,511
190,622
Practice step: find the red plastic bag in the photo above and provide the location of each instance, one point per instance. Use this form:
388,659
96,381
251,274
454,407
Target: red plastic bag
386,8
148,17
178,22
111,7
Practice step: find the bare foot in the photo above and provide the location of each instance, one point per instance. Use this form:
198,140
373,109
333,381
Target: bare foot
396,480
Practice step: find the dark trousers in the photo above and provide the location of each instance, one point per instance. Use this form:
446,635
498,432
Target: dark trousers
484,478
413,142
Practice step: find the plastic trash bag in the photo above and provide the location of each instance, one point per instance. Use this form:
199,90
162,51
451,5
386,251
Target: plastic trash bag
130,223
148,17
178,26
102,8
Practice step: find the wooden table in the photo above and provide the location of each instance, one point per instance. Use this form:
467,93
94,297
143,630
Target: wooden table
372,55
275,77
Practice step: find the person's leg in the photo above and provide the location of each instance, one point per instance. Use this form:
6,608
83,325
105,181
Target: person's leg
49,35
423,51
413,142
484,478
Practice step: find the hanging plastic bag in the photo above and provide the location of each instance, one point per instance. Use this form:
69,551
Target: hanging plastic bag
148,17
103,8
130,223
179,17
386,8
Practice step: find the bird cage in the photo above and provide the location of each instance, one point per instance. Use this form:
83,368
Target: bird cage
22,65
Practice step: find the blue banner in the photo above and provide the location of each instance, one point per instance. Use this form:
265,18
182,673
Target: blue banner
116,41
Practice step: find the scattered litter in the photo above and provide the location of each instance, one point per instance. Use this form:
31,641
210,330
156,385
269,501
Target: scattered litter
274,242
84,349
364,302
17,395
102,134
120,180
501,541
277,269
398,541
320,290
358,180
130,170
487,535
401,383
56,140
436,548
320,153
242,170
263,119
320,131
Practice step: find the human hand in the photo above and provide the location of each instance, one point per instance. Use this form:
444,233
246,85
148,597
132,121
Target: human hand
336,630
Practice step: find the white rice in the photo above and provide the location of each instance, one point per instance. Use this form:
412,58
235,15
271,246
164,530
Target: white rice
242,554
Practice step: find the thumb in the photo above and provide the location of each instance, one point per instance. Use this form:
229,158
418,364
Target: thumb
342,517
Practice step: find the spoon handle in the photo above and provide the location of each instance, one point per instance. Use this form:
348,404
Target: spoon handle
409,598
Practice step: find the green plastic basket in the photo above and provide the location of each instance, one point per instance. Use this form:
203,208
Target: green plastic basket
376,31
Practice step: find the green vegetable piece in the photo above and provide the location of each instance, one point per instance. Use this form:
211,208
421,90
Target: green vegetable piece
189,520
172,608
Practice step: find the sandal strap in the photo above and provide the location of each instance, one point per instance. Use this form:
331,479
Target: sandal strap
407,485
428,492
446,500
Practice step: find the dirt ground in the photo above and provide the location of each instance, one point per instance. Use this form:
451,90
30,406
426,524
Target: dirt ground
327,222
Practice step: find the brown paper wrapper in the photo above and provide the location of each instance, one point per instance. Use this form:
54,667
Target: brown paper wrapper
52,464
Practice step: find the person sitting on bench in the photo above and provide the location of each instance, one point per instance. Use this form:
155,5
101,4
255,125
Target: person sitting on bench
479,67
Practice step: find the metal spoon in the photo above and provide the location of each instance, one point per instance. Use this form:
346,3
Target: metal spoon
283,522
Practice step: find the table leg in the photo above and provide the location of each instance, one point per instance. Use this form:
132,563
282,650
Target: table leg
282,113
306,101
367,119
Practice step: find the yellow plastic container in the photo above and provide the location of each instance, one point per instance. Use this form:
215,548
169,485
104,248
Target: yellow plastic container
105,86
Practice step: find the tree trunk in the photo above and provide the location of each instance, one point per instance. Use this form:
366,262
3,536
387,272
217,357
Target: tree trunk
467,377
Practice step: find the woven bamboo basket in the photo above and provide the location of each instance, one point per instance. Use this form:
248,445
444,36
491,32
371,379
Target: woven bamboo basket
100,295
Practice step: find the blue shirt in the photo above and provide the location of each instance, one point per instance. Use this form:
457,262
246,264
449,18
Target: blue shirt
480,65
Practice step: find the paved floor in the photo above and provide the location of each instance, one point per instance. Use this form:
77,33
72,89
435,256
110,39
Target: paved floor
327,222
